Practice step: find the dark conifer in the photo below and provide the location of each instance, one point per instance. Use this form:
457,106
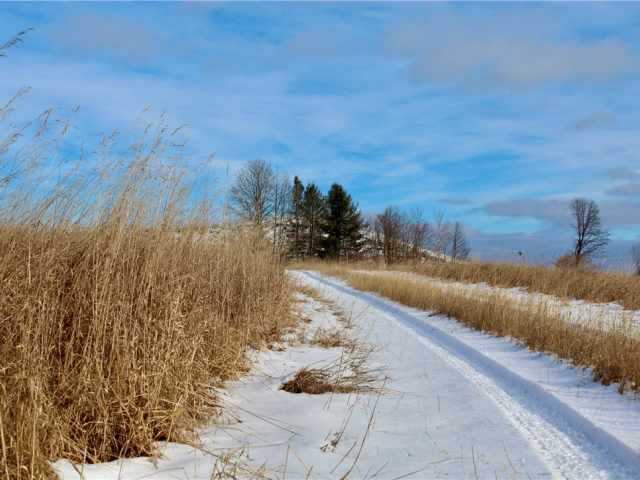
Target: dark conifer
313,212
343,225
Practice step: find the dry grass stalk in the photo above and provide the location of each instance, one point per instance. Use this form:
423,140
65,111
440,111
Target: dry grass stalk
613,355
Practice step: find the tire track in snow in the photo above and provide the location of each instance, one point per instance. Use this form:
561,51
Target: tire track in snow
570,444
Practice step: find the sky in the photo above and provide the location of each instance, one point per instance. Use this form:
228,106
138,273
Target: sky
494,114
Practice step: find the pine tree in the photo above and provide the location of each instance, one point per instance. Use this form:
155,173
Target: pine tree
313,212
343,224
296,217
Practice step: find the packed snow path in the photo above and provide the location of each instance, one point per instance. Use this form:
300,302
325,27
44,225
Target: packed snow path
571,438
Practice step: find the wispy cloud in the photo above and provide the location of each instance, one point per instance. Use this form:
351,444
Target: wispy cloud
454,48
109,36
456,200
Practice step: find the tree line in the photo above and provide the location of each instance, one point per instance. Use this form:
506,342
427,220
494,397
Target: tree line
398,236
304,223
301,220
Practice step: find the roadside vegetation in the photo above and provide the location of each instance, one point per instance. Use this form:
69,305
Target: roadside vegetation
119,309
614,355
583,284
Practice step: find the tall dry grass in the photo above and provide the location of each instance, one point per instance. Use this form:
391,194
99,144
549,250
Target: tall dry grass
613,355
589,285
118,312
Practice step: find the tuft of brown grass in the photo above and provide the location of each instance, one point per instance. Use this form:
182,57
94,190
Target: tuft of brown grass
349,374
316,381
118,312
613,355
332,338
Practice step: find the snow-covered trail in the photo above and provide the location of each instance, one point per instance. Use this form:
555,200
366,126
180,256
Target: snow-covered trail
577,429
601,316
457,404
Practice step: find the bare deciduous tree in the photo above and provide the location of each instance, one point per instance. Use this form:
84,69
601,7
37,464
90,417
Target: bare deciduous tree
590,236
459,248
391,227
252,196
418,233
440,236
281,200
635,258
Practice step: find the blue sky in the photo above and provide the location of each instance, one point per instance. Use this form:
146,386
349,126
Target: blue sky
496,114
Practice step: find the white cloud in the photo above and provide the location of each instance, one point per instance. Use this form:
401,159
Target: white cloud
476,51
101,34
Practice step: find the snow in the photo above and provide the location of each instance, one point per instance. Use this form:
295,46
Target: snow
456,404
602,316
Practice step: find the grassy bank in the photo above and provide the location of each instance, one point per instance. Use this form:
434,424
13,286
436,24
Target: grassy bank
118,312
613,355
592,286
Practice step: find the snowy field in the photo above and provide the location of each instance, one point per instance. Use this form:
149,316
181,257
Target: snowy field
456,404
603,316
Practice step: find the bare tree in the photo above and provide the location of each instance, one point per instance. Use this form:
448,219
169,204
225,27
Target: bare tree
373,236
391,227
282,199
418,232
252,196
590,236
459,248
635,258
440,236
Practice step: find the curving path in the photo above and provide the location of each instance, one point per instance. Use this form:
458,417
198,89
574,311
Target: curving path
565,439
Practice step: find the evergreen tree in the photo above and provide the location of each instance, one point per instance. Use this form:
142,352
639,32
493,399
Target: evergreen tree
343,224
313,213
297,195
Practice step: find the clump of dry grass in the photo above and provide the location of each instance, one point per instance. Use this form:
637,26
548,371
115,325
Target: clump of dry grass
118,312
316,381
332,338
349,374
613,355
